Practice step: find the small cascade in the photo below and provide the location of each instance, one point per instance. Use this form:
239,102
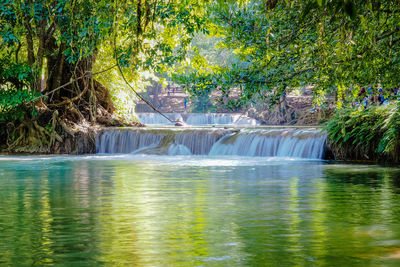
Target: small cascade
155,118
198,142
293,143
197,119
219,119
125,141
175,149
158,141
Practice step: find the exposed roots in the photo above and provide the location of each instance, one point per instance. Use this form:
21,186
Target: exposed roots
67,125
58,136
31,137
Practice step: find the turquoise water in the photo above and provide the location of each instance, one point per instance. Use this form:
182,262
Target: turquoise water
197,211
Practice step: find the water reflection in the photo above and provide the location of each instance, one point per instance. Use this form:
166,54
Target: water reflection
158,211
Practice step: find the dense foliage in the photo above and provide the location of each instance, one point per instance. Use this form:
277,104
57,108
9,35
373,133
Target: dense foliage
14,104
60,40
372,133
278,45
334,46
56,50
15,95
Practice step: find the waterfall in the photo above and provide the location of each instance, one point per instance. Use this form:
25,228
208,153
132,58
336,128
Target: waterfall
158,141
198,119
272,143
294,143
155,118
175,149
219,119
198,142
125,140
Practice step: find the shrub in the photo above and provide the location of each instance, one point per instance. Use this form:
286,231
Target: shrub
13,104
371,133
15,80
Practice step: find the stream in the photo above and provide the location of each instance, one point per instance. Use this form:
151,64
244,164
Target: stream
199,197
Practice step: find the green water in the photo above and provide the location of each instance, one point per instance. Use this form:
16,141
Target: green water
197,211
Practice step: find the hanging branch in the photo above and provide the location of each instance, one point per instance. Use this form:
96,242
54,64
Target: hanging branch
133,89
122,74
85,75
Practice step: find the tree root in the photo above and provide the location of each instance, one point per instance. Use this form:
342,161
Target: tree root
67,125
32,138
53,135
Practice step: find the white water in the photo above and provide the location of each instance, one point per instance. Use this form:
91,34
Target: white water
198,119
219,119
155,118
272,143
121,141
175,150
153,141
294,143
198,142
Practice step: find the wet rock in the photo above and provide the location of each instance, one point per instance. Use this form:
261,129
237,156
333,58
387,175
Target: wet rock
179,123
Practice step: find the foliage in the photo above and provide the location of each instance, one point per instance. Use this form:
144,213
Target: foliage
208,47
331,45
15,80
155,34
257,50
149,33
167,27
373,132
59,41
13,104
17,76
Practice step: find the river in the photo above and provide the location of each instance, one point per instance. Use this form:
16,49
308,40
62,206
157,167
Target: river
151,210
199,196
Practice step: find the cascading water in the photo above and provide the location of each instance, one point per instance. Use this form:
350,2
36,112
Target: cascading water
197,119
158,141
155,118
294,143
198,142
125,141
272,143
219,119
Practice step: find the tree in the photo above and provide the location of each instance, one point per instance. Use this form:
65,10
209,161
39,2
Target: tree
61,40
334,46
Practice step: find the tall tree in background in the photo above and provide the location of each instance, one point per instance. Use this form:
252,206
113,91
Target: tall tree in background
332,45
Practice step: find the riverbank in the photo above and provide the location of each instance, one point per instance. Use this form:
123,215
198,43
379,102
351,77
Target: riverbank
59,124
371,134
49,133
356,135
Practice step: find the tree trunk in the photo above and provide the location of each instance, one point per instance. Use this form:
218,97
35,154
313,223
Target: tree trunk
56,67
40,56
29,42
